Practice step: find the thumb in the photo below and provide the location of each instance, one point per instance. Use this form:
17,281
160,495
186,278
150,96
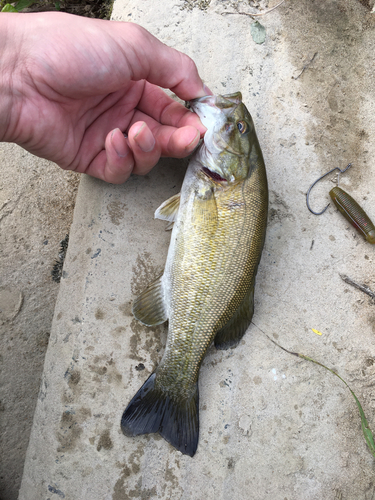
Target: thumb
152,60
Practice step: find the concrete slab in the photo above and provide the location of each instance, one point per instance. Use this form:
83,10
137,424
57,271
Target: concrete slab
272,426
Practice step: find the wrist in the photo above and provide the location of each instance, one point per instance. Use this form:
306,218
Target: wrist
9,62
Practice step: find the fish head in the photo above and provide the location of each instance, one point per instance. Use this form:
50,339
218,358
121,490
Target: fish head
230,148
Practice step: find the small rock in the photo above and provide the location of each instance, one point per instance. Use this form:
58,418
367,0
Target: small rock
244,424
10,303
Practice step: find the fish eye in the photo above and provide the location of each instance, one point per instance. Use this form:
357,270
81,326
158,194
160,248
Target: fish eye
242,127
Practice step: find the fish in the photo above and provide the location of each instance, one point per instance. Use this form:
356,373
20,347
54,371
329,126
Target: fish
206,291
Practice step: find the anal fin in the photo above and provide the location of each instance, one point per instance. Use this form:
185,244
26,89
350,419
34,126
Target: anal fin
231,333
149,307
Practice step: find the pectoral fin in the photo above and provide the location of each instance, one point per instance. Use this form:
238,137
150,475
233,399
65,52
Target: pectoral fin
169,209
231,334
149,308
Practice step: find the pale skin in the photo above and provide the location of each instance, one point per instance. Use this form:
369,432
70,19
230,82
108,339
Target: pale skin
85,93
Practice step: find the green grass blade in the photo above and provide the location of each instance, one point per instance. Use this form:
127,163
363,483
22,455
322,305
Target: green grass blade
24,4
9,8
364,423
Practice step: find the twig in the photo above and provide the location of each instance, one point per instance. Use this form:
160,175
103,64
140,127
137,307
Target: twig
305,66
363,288
254,15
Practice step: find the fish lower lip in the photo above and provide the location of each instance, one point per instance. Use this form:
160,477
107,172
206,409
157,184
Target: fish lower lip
213,175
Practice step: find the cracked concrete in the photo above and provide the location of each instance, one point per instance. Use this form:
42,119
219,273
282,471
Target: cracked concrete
272,426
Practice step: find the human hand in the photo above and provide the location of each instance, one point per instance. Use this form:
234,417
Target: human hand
73,86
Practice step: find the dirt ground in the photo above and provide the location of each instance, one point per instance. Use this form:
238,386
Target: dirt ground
36,210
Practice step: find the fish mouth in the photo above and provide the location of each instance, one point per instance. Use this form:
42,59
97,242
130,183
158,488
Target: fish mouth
213,175
214,112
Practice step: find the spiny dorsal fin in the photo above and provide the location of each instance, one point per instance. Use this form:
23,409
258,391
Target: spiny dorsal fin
231,333
149,308
169,209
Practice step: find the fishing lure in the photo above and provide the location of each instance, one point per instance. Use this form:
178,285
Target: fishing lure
353,213
348,207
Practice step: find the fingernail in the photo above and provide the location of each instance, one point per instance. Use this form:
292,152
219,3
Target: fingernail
192,145
207,90
118,143
145,139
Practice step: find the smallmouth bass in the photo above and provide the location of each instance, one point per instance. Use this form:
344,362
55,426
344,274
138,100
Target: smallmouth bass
207,288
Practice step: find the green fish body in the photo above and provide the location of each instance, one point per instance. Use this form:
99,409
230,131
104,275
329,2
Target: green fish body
207,288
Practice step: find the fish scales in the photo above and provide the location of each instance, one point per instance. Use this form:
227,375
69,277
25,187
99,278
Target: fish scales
198,259
207,288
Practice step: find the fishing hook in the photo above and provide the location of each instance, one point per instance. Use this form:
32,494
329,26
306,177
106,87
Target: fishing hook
312,185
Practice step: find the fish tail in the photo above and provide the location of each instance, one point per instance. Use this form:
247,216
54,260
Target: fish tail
154,410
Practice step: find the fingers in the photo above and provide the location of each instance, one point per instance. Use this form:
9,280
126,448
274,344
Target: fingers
146,150
137,153
140,151
115,163
180,142
148,146
156,103
171,142
152,60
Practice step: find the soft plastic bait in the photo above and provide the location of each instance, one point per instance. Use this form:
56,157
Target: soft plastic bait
353,213
348,207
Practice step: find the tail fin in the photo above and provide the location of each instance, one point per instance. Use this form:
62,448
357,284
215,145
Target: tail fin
153,410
